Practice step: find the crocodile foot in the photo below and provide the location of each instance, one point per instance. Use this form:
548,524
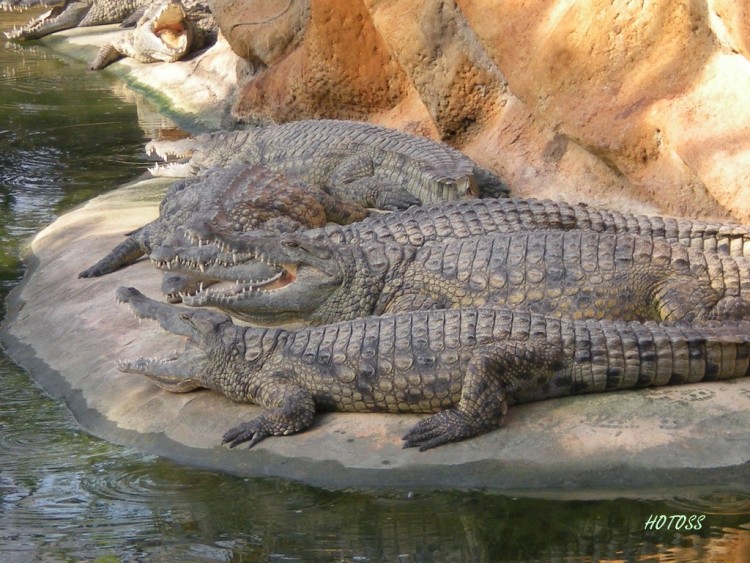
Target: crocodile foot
252,431
450,425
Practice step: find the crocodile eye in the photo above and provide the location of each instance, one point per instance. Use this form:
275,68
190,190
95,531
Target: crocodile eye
290,243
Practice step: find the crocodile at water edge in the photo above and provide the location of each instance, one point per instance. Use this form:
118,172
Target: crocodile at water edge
165,32
246,197
69,14
576,273
466,366
372,165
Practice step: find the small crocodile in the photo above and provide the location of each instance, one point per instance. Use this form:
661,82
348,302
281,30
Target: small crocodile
460,219
243,198
577,273
71,13
165,32
375,166
467,366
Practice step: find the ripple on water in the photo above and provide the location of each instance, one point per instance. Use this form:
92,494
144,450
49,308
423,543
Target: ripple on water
714,503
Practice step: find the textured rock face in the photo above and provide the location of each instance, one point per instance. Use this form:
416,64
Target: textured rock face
635,107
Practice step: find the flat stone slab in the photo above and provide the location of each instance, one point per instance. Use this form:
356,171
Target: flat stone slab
68,332
197,89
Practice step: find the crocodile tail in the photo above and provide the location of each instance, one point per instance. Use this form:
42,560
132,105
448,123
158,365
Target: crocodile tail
123,254
689,352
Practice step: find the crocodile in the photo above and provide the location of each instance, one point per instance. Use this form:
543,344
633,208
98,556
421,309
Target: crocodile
165,32
577,273
375,166
463,367
71,13
242,198
466,218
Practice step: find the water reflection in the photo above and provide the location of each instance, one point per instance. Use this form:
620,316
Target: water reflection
65,495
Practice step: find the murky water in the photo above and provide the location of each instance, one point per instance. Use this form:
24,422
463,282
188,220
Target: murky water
67,496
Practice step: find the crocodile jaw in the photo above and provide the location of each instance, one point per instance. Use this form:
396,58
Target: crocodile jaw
62,17
164,35
179,372
295,289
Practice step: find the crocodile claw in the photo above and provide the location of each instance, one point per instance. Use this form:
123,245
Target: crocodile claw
253,431
450,425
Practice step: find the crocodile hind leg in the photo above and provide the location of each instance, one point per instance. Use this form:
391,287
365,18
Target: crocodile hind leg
686,299
354,179
482,407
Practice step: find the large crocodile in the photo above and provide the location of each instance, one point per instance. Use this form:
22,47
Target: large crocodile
71,13
466,366
577,273
376,166
460,219
165,32
243,198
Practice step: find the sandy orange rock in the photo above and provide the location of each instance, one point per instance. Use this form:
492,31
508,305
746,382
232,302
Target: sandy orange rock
609,102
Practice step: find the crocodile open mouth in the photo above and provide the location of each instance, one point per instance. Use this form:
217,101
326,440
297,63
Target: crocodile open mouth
222,291
169,26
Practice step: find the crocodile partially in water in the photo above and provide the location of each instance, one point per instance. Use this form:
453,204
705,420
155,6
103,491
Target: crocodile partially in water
576,273
241,198
464,366
373,165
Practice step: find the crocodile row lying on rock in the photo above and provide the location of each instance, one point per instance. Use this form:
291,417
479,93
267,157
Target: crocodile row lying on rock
375,166
165,32
466,366
577,273
243,198
460,219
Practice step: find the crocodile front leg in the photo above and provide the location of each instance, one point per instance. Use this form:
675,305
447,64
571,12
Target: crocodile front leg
290,409
354,179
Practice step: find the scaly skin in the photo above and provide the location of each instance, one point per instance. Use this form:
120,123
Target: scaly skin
242,198
578,273
466,366
162,34
372,165
461,219
76,13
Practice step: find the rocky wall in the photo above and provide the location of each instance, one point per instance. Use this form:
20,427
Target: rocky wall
639,106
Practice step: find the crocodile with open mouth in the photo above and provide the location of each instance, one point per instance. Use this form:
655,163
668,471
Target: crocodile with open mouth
464,367
467,218
69,14
241,198
372,165
165,32
577,273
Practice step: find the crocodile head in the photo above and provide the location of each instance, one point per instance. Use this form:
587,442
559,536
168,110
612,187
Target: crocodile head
194,155
207,332
268,279
163,33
